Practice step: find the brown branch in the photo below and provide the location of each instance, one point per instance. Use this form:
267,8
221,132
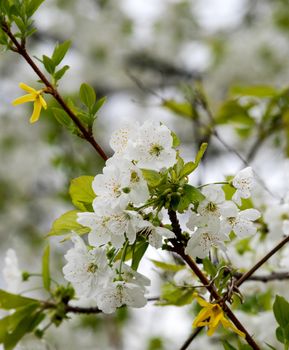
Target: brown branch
191,338
21,50
179,249
249,273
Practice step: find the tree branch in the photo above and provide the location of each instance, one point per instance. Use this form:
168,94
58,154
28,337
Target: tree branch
249,273
178,248
191,338
21,50
265,278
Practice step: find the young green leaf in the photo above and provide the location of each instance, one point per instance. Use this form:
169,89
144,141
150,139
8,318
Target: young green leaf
48,64
81,192
66,224
138,253
63,119
12,301
60,51
87,95
228,346
32,6
281,311
45,268
152,177
167,267
60,73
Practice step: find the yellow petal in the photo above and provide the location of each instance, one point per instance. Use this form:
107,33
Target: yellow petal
201,317
27,88
43,102
204,303
212,330
23,99
217,317
228,324
36,112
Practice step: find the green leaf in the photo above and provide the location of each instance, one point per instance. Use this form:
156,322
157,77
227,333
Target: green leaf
81,192
228,346
280,335
138,253
48,64
209,267
176,140
254,91
173,295
98,105
10,301
191,166
191,195
200,153
152,177
26,325
167,267
183,109
64,119
33,6
60,73
66,224
281,311
45,268
87,95
59,52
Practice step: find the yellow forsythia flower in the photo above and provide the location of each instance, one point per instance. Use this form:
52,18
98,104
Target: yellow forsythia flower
32,96
212,315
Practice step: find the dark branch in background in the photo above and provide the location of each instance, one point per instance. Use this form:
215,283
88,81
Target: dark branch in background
249,273
274,276
143,61
21,50
191,338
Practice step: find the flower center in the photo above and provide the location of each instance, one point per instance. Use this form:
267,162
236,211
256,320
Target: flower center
134,177
156,150
92,268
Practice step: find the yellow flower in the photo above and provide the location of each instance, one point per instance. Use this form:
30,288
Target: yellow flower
211,315
33,96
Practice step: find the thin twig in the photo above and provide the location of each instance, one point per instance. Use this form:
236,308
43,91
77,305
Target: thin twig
21,50
280,276
249,273
191,338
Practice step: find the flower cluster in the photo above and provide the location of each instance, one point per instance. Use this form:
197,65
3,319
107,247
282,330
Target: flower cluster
115,221
216,217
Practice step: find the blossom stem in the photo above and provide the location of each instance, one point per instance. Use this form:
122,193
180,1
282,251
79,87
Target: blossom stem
249,273
85,133
215,183
179,249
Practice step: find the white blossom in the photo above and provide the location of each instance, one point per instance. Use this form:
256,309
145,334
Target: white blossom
275,217
243,182
129,275
241,222
205,236
87,270
285,227
110,225
214,201
120,293
11,272
155,233
152,147
119,139
121,183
